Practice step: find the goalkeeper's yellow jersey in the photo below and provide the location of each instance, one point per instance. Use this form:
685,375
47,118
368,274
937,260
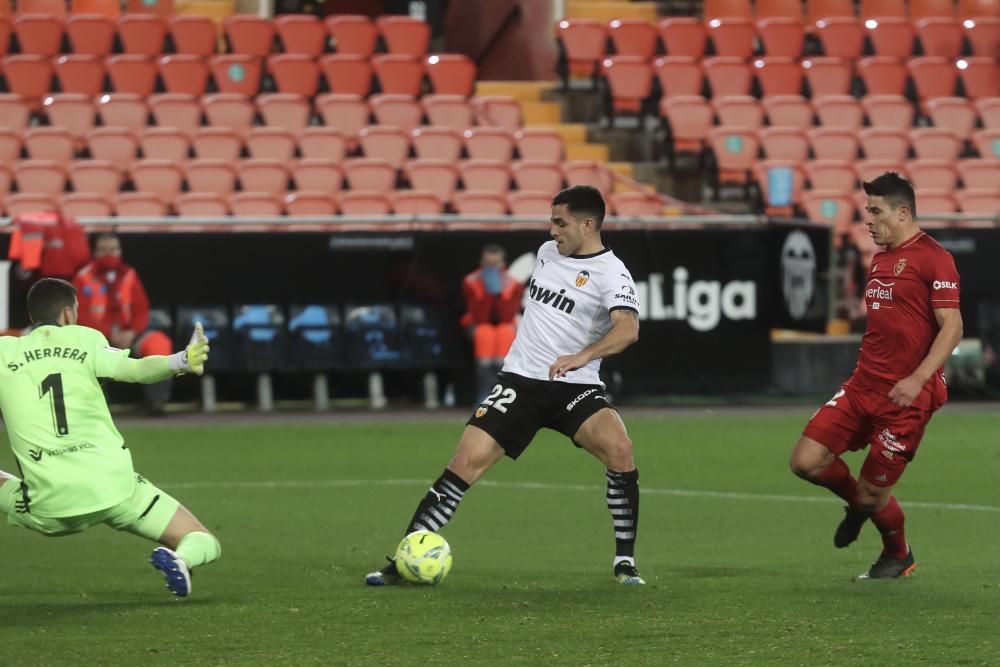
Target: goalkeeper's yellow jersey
72,459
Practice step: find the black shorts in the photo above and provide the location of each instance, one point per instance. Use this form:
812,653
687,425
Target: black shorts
518,406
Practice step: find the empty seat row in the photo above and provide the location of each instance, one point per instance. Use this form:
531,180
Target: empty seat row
877,143
840,208
819,9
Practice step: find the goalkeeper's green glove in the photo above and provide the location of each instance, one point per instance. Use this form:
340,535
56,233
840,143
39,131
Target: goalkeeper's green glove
192,358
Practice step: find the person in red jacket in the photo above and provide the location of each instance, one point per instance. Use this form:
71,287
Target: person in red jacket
113,301
493,306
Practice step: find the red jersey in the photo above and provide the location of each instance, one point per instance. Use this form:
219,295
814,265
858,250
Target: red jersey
905,286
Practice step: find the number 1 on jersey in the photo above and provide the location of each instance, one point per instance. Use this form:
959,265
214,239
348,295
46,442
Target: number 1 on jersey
53,383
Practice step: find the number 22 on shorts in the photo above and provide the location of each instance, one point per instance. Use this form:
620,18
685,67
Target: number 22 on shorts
499,398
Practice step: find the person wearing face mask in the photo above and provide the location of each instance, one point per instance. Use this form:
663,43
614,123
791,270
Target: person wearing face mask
114,301
492,308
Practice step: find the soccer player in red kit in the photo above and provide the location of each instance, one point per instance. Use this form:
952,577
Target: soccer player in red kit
913,325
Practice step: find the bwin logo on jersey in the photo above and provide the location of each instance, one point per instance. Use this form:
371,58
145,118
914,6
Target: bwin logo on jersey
552,298
701,303
582,278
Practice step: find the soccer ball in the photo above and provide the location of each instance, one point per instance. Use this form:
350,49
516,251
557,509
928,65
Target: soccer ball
423,557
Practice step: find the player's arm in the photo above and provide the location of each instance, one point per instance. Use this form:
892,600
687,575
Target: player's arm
948,337
624,331
156,368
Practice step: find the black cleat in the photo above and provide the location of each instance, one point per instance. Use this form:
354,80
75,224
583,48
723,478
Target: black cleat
625,573
887,567
850,527
387,576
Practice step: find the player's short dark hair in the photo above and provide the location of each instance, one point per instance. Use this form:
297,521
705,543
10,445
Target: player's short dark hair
48,297
584,201
895,189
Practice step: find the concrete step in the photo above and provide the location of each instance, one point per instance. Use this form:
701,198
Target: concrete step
606,10
595,152
541,113
525,91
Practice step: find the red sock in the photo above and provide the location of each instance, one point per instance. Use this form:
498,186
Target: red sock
837,477
889,521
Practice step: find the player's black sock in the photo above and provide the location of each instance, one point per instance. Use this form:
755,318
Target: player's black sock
623,502
439,505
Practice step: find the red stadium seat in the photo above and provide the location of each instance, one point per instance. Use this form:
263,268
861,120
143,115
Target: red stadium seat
953,113
690,120
369,174
489,143
142,34
784,143
176,110
825,9
940,36
399,74
271,143
352,34
183,73
263,175
980,173
833,207
891,37
217,143
256,205
50,143
318,175
5,30
451,74
788,111
782,36
583,43
30,202
499,110
140,205
835,175
980,77
987,143
739,111
10,145
779,8
399,110
633,37
29,76
933,77
479,203
72,111
888,111
55,8
885,143
249,34
229,110
108,8
126,110
989,112
346,113
90,34
14,111
679,75
165,143
161,8
284,110
588,172
869,170
540,144
236,73
435,176
131,74
978,8
636,205
935,143
536,175
196,35
933,174
728,76
732,37
485,175
986,202
404,35
882,75
925,8
416,202
630,81
828,76
437,143
44,177
304,204
936,201
38,34
96,177
322,142
80,74
202,205
778,76
841,37
385,142
301,33
984,35
364,202
452,111
879,9
294,73
218,176
530,203
347,73
712,9
162,178
86,205
683,36
762,174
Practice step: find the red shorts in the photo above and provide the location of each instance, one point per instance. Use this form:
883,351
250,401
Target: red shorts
858,416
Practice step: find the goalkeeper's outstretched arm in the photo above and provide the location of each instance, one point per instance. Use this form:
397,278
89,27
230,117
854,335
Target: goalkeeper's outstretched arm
157,368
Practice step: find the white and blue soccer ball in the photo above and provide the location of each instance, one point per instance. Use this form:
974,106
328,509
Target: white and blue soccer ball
423,557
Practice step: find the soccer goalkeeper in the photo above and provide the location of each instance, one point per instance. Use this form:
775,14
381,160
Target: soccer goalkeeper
75,471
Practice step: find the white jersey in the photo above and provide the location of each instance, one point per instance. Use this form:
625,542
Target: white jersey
569,304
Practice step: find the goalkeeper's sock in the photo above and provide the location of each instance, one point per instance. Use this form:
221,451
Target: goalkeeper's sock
837,477
439,505
198,548
623,503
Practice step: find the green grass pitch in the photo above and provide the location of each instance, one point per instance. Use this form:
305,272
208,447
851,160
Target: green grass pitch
737,553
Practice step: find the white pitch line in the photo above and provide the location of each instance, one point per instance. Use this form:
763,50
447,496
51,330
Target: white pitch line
543,486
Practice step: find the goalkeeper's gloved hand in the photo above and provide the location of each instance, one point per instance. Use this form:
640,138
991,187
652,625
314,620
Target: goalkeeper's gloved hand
192,358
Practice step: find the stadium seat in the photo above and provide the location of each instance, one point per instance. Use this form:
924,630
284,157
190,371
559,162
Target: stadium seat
690,120
90,34
868,170
195,35
369,174
540,176
778,76
301,33
131,74
208,175
95,176
80,74
893,111
140,205
683,36
364,202
5,32
828,76
50,143
781,36
714,9
986,202
987,143
885,143
304,203
978,8
818,10
217,143
530,203
953,113
10,145
404,35
498,110
920,9
117,145
29,76
259,343
229,110
294,73
679,75
583,45
485,175
588,172
936,201
71,111
472,202
271,143
249,34
636,205
882,75
834,143
438,177
416,202
935,143
879,9
980,173
940,36
933,174
263,175
629,83
784,143
841,37
30,202
126,110
781,183
182,73
346,113
536,143
632,37
489,143
983,34
980,77
779,8
933,76
739,111
451,111
451,74
44,177
385,142
322,142
142,34
988,110
835,175
236,73
285,110
352,34
891,37
56,8
436,143
256,204
732,37
399,74
162,178
728,76
788,111
108,8
177,110
832,207
316,337
14,111
86,205
38,34
347,73
397,110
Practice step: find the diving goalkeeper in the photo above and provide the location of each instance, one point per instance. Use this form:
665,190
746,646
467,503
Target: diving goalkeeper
75,470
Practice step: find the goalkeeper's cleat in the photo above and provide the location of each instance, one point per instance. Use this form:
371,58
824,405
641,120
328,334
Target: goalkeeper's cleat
626,573
174,569
850,527
887,567
387,576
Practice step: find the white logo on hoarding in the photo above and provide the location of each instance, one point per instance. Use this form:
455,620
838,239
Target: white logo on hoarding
701,303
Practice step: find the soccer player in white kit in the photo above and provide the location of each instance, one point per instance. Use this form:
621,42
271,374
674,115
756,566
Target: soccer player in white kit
581,307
